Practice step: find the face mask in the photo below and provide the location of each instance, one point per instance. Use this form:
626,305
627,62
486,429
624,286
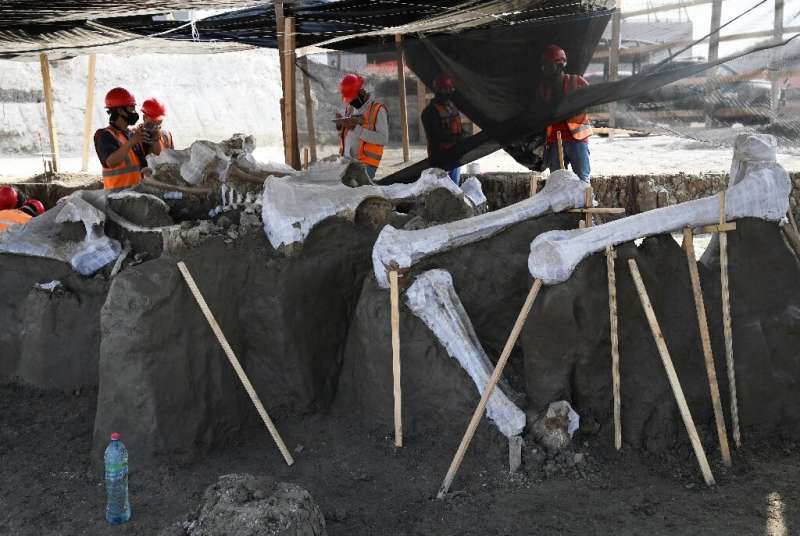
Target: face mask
358,102
132,118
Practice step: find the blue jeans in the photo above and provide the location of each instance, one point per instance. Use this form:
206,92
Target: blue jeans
576,155
371,171
455,175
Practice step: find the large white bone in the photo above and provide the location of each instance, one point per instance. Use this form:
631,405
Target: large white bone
292,206
433,299
563,190
758,188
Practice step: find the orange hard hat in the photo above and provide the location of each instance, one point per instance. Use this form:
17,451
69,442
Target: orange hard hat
553,54
350,85
444,83
119,97
36,205
8,198
154,109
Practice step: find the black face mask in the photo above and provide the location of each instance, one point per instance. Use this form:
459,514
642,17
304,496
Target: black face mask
358,102
443,97
131,118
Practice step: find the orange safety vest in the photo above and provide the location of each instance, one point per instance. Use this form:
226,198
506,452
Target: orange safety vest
126,173
12,217
579,125
368,153
450,120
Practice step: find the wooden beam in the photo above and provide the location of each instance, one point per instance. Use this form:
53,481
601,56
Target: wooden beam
421,103
713,54
88,112
48,104
401,78
394,301
309,102
598,210
612,316
290,140
665,7
613,64
777,60
717,228
727,328
672,376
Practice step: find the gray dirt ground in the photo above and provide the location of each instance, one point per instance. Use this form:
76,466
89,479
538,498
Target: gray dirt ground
366,487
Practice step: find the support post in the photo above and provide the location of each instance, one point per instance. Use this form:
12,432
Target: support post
87,113
421,103
290,141
48,104
312,134
613,64
713,54
612,313
777,60
677,390
212,322
726,322
588,196
489,389
560,151
394,298
705,339
401,78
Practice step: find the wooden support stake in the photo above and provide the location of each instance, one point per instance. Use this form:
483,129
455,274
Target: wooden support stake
726,323
401,78
394,297
48,104
306,158
87,113
588,196
599,210
671,374
612,311
312,133
489,389
290,140
534,184
234,362
718,228
560,151
705,339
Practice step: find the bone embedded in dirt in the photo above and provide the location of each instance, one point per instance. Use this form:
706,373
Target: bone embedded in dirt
292,206
563,190
759,188
433,299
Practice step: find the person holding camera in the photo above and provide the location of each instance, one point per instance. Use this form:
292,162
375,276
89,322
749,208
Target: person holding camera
153,114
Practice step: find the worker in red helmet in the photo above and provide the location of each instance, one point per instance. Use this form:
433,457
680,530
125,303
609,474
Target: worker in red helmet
442,122
364,127
575,131
121,149
19,216
10,198
153,114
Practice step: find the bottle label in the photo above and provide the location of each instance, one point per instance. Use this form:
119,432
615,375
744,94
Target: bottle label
116,472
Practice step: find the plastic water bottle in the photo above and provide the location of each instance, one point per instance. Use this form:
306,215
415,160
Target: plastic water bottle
118,509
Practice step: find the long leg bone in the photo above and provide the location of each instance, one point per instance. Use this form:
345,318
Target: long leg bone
562,191
758,188
433,299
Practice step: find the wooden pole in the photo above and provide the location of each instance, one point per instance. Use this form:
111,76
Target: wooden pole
534,184
777,59
290,140
612,311
312,134
613,64
234,362
306,158
48,104
671,374
487,392
588,196
401,78
705,338
394,297
560,151
88,112
421,103
713,54
726,322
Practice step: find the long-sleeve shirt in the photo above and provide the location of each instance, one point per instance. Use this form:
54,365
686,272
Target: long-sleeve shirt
379,136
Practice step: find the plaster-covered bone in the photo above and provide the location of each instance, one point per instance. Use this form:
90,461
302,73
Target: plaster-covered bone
433,299
563,190
758,188
292,206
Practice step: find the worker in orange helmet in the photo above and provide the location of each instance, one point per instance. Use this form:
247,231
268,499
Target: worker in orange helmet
153,113
122,150
364,127
18,216
575,131
442,122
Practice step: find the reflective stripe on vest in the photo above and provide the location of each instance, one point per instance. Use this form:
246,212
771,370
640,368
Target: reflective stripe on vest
450,120
126,173
12,217
368,153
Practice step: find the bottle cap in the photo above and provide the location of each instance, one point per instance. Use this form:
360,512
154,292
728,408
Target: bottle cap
115,436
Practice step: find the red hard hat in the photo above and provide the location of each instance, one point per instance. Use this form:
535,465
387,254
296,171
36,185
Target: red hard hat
553,54
36,205
119,97
8,198
350,85
444,82
154,109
